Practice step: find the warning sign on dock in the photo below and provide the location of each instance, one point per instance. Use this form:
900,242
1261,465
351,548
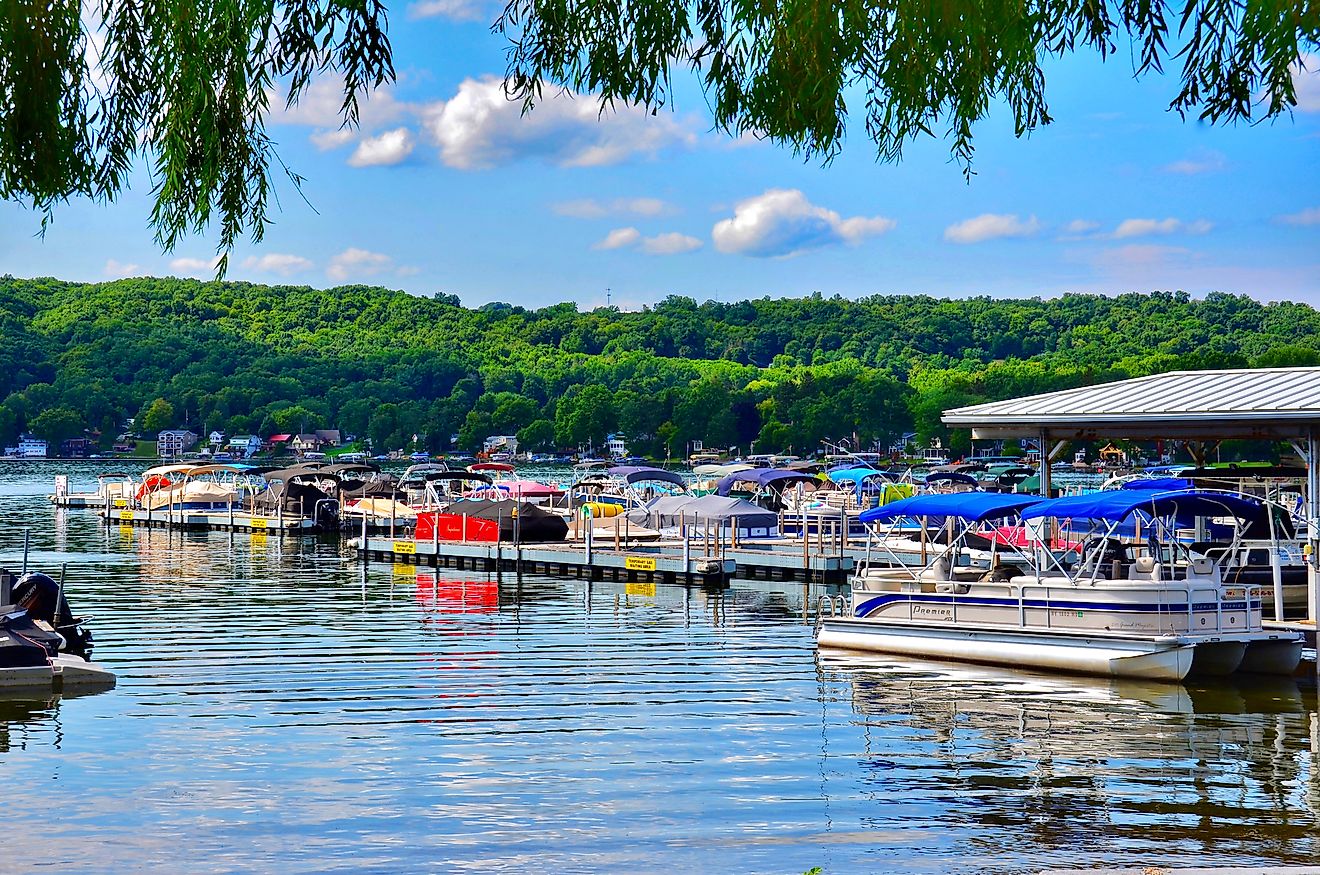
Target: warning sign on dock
405,547
259,523
639,563
126,514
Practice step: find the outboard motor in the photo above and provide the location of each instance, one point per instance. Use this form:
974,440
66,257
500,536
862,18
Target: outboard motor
40,596
24,644
326,515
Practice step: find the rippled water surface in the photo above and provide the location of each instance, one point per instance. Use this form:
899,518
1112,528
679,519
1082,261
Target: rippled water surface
281,707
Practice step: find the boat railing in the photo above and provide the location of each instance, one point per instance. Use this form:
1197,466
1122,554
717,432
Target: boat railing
832,606
1165,596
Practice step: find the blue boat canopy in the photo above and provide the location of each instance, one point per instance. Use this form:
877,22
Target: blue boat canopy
1157,484
1117,504
776,477
856,475
950,477
643,473
973,506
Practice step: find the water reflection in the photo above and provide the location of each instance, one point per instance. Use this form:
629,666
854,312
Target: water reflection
1069,766
281,701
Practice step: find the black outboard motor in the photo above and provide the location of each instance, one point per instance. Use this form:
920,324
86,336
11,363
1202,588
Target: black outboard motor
40,596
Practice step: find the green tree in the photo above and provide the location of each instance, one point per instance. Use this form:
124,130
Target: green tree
184,84
781,70
157,417
57,424
537,435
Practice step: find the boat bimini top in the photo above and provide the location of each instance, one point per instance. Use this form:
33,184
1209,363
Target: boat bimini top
1161,513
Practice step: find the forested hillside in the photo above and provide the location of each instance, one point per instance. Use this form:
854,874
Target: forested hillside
783,372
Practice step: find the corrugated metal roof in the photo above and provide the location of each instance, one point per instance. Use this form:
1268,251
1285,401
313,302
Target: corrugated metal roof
1266,401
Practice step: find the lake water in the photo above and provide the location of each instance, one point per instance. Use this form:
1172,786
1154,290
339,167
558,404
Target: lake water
282,707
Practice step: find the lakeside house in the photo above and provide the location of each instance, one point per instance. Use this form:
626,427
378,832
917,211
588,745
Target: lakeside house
78,447
244,446
500,443
174,442
31,447
615,446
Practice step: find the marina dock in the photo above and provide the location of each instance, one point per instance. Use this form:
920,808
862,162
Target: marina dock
235,521
563,559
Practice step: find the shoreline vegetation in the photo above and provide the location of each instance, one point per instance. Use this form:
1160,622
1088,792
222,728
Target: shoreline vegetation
784,373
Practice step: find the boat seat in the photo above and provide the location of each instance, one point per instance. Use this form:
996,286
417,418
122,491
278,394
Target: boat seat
938,570
1145,568
1203,568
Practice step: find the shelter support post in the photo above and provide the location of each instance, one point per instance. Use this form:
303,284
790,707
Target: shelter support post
1045,485
1313,527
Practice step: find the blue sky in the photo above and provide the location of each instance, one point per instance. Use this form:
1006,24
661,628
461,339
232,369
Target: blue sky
446,188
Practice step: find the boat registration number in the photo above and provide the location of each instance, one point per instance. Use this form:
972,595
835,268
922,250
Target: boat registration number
259,523
409,547
642,589
639,563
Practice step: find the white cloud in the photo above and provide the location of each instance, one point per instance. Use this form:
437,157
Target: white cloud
321,102
120,269
780,223
357,262
195,265
1203,162
454,10
1309,216
390,147
277,262
319,107
619,238
1306,82
672,243
407,270
990,226
327,140
590,208
1151,227
479,128
1080,226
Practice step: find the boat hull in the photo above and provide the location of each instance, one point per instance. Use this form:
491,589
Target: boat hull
1218,658
1279,656
1164,658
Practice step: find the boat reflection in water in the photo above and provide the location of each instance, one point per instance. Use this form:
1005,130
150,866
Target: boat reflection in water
1079,771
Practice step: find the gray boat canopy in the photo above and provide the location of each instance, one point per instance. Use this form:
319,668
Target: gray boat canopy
644,473
669,511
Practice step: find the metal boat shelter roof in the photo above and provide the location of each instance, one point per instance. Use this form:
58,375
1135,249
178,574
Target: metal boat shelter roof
1268,403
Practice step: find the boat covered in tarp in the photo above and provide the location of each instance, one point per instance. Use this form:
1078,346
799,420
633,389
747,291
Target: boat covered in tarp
303,491
476,519
673,511
191,495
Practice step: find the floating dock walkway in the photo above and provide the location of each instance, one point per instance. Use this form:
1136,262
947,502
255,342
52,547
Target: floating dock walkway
563,558
237,521
667,561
